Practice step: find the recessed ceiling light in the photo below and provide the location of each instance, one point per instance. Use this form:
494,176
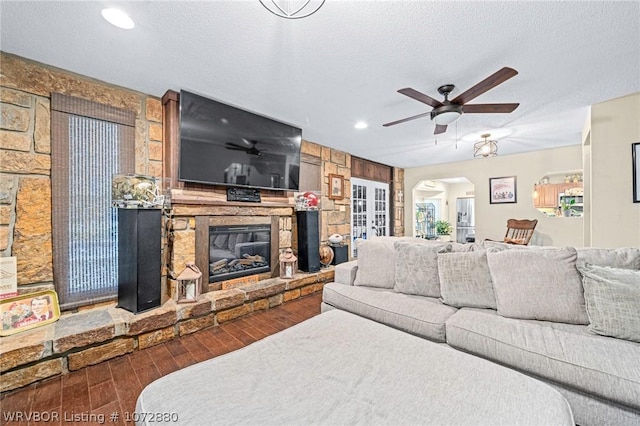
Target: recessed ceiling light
118,18
361,125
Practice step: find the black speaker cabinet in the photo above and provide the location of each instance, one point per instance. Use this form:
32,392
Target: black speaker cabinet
308,241
139,261
340,254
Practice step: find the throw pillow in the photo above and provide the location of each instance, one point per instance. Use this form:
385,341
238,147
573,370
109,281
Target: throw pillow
376,260
376,263
613,301
625,258
540,284
416,268
465,280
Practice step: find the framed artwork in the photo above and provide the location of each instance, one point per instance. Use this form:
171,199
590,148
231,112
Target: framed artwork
28,311
502,190
635,155
336,187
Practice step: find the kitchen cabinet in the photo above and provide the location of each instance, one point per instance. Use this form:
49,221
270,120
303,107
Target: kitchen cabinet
549,193
547,196
562,187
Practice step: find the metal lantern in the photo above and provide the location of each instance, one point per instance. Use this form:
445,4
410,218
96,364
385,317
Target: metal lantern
188,284
288,264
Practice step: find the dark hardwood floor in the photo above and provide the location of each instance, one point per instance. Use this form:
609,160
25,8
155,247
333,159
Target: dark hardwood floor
107,392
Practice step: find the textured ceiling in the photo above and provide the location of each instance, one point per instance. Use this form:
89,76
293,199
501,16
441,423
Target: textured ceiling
344,63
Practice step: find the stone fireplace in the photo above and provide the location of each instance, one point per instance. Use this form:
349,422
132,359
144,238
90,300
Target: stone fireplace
233,244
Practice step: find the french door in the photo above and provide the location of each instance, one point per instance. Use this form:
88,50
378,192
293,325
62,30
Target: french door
369,210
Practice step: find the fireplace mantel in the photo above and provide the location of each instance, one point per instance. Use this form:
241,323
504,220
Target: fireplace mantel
216,198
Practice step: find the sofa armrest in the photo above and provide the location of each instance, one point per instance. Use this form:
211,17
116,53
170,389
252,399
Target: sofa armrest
345,273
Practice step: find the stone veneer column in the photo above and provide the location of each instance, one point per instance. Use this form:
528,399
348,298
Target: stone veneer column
398,201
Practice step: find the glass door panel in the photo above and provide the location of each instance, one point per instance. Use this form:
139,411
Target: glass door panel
369,210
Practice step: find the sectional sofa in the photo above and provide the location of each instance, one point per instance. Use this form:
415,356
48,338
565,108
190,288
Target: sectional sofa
569,317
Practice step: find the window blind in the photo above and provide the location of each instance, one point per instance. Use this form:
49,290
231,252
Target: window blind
90,143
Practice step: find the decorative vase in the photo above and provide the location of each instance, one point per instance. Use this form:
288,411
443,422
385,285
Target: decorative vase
336,239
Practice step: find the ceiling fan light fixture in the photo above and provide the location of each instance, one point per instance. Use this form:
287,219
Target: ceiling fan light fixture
446,114
485,148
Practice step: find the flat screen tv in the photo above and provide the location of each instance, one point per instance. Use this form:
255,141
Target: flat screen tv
224,145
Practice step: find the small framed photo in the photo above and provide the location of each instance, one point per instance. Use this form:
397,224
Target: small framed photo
336,187
635,155
28,311
502,190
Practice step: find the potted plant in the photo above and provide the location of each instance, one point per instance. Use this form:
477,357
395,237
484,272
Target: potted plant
566,207
443,227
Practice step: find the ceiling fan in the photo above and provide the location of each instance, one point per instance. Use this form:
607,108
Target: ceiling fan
448,111
251,150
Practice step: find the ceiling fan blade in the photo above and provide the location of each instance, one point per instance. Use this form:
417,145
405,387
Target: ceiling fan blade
424,114
487,84
235,146
414,94
440,128
489,108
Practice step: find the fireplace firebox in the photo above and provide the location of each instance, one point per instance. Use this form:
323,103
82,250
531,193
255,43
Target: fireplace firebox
237,251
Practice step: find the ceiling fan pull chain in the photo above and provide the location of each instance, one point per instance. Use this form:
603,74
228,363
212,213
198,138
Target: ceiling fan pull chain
456,135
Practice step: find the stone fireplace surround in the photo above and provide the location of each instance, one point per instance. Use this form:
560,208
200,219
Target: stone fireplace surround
193,212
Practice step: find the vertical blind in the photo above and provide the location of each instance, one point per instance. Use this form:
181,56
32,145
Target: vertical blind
93,224
90,143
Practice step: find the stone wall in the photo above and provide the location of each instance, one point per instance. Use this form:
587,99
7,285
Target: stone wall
25,153
336,214
398,201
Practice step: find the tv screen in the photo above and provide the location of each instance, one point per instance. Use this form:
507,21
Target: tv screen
222,144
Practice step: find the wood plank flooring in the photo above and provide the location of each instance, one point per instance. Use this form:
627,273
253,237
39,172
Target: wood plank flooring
107,392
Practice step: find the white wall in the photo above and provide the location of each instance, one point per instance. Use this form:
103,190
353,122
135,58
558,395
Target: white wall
614,219
491,219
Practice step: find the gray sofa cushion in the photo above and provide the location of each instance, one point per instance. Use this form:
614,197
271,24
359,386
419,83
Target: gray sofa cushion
416,268
419,315
612,296
376,266
465,280
542,284
567,354
627,258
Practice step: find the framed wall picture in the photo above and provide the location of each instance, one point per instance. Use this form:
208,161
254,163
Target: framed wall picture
502,190
635,155
336,187
28,311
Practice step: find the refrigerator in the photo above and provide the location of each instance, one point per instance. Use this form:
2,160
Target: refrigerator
465,220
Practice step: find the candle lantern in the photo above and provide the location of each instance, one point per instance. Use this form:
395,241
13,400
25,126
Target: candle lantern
288,264
188,284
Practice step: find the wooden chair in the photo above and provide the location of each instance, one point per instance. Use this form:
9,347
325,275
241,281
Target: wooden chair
519,231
